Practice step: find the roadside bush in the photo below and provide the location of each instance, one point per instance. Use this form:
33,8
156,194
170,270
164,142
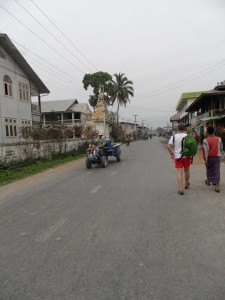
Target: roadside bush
16,164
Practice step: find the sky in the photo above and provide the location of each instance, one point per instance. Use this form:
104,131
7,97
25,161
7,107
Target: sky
165,47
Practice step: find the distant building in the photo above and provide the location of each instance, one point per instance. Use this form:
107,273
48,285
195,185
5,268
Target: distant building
209,110
175,120
129,128
68,112
186,99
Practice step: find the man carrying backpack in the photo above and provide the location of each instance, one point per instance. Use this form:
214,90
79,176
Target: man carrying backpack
175,147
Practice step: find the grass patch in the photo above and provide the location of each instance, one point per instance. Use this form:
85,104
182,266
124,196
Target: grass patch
19,170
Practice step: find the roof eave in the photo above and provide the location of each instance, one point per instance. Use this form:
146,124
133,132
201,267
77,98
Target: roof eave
20,60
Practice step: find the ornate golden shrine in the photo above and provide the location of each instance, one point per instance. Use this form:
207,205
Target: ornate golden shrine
101,113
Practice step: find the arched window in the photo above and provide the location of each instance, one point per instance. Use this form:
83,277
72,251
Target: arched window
7,85
24,91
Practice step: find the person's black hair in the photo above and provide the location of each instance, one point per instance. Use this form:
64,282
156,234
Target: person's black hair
210,130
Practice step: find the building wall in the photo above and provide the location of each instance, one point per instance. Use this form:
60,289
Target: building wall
128,128
11,106
37,149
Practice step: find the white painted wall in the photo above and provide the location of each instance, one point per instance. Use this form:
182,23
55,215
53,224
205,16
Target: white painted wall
12,107
37,149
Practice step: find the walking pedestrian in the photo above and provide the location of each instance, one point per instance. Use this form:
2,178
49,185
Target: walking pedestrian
212,153
174,147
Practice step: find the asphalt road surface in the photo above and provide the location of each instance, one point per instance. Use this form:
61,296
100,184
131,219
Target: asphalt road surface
117,233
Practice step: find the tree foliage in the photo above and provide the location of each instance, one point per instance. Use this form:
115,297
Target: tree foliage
121,89
94,80
159,130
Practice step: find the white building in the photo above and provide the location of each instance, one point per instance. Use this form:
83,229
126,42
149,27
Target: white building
68,112
19,83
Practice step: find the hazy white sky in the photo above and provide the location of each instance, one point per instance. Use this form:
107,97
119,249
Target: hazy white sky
166,47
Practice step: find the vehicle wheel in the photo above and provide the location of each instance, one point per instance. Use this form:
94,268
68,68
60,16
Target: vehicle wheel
104,161
88,163
118,153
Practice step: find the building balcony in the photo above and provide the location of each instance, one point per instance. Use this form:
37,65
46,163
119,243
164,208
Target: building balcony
68,122
208,114
216,112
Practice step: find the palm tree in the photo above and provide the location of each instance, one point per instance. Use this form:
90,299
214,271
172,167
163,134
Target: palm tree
121,90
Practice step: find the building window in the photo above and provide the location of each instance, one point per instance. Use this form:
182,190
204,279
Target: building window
7,85
23,91
26,122
10,127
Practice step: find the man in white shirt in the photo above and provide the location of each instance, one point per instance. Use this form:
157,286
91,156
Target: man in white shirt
181,162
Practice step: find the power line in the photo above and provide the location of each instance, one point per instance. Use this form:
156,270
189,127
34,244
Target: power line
186,80
52,35
61,85
64,35
51,71
149,109
61,80
41,39
53,66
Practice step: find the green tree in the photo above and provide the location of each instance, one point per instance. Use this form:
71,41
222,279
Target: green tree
121,89
94,80
159,130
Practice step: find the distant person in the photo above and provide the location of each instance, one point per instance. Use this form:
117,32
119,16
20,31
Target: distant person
127,140
100,140
212,153
174,147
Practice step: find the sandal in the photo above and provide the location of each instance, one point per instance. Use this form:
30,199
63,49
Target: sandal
207,182
217,190
187,186
180,192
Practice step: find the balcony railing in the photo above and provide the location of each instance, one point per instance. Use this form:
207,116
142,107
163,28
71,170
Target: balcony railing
69,122
199,117
216,112
210,113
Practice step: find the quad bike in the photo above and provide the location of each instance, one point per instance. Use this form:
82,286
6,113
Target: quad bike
97,154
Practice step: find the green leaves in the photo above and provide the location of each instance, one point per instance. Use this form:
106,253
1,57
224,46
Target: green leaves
94,80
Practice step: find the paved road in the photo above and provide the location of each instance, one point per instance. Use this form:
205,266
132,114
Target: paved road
117,233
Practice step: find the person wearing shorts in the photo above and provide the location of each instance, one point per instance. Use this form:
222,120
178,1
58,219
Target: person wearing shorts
174,147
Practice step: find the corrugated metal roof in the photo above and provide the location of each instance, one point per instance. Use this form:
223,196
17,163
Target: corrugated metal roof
7,44
62,105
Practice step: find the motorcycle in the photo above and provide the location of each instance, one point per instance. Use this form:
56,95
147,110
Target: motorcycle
127,142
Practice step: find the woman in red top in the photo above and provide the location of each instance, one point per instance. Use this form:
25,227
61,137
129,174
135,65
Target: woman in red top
212,153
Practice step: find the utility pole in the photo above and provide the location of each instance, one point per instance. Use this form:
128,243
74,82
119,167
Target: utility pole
135,124
135,117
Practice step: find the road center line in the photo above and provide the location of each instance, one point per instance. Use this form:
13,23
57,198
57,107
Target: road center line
97,188
47,234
